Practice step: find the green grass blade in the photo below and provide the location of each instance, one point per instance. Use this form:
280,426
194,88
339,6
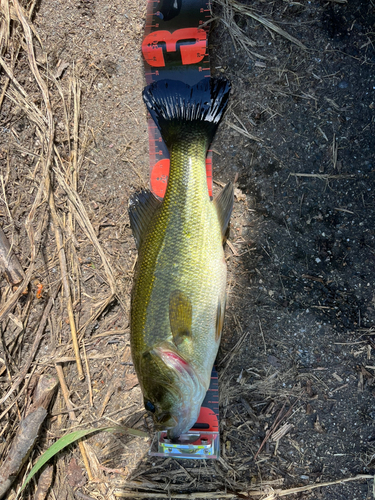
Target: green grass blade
67,440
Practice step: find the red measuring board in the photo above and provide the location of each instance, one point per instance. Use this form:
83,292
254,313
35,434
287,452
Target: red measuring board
175,46
208,419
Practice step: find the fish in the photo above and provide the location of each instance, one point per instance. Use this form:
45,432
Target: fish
179,291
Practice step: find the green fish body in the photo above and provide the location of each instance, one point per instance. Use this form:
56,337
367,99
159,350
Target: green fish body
178,297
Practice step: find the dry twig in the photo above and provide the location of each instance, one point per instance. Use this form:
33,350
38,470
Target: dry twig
37,338
9,263
260,491
27,432
44,483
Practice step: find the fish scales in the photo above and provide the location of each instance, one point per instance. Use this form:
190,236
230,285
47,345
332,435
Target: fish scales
185,226
180,279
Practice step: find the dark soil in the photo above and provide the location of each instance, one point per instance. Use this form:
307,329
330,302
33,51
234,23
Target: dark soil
303,287
298,345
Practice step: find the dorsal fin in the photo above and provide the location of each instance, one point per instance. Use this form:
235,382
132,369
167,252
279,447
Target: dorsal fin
180,316
224,206
220,313
142,207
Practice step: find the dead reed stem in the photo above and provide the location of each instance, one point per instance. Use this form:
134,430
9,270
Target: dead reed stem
65,391
64,276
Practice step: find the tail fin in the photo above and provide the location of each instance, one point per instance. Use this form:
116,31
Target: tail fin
178,108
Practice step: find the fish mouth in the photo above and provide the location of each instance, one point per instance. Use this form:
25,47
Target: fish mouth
165,421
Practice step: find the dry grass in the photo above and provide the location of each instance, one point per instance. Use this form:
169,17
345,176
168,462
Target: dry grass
239,38
52,176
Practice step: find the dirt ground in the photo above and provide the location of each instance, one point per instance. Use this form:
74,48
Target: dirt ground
297,360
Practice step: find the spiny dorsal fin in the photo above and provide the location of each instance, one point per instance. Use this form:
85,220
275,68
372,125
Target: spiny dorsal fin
142,207
180,316
220,313
224,205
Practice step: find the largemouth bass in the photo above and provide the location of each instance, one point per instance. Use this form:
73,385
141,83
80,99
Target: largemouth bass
178,297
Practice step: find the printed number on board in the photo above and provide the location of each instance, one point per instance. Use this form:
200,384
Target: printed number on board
191,53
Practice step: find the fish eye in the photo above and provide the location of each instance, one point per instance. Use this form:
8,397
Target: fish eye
149,406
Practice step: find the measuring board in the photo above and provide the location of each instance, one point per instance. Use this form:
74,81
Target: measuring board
202,441
175,46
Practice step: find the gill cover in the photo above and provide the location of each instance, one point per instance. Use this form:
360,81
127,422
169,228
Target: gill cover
173,388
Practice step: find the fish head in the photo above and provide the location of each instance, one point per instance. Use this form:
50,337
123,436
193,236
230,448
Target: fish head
172,390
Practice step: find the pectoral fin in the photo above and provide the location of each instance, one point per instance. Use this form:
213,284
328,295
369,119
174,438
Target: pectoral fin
142,207
180,316
224,205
